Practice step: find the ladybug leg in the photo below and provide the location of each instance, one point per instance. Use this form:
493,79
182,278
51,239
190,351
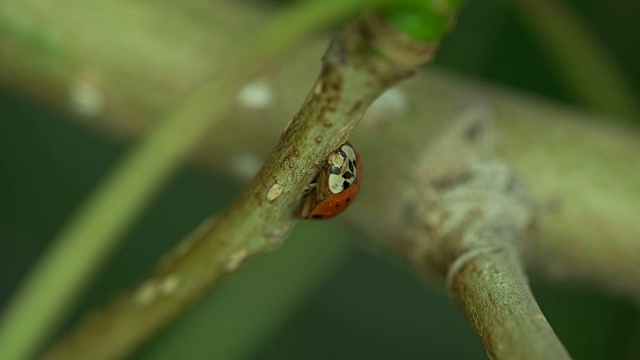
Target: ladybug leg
311,186
313,183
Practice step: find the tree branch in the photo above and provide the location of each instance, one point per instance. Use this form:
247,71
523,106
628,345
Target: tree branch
582,174
87,239
366,58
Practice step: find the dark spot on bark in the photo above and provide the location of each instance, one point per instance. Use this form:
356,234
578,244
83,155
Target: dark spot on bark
331,77
324,87
512,184
554,205
337,53
446,182
355,108
474,131
321,114
332,102
336,81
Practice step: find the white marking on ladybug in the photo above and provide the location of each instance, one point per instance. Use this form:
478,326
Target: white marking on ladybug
342,169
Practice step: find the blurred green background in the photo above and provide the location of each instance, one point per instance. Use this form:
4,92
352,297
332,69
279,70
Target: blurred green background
318,296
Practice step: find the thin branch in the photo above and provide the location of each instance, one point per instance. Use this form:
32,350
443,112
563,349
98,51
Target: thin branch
579,171
365,59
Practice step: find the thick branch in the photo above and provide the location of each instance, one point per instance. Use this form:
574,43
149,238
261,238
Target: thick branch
466,219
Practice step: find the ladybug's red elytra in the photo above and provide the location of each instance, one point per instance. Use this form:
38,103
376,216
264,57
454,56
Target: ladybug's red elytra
336,186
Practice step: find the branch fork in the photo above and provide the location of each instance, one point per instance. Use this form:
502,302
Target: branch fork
467,220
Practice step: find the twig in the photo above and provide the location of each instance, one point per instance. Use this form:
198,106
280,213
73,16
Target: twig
364,60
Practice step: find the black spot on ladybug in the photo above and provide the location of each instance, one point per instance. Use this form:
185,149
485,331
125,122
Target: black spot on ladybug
351,165
345,185
337,204
348,199
343,154
316,216
335,170
347,175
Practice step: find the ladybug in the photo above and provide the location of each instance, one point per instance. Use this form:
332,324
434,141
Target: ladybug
336,186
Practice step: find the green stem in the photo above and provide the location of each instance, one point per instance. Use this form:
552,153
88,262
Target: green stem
584,63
